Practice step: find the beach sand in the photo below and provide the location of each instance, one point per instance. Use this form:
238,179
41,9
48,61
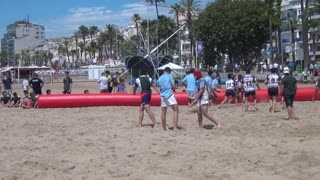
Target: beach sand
106,143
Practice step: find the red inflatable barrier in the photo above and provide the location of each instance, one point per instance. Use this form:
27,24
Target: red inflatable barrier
90,100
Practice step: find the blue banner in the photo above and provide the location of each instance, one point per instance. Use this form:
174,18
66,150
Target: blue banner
199,47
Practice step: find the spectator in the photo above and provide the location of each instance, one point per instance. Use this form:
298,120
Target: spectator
36,84
25,86
67,83
7,84
121,88
103,83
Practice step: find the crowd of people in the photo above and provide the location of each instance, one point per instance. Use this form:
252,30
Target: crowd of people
201,91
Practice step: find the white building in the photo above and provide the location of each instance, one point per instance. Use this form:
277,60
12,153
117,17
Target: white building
22,35
291,9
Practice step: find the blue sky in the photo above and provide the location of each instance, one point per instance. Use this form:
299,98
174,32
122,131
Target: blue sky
63,17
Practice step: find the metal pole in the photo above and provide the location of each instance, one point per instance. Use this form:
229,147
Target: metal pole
157,48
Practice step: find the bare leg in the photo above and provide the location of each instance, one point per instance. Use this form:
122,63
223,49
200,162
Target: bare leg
199,112
271,103
274,103
141,114
163,117
224,101
175,109
246,104
255,102
151,115
204,110
289,112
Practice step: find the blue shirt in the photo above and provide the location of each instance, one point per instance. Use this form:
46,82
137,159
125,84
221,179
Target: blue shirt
165,83
214,84
190,81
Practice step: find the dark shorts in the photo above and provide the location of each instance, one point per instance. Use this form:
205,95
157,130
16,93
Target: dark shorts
250,93
38,92
66,91
273,91
145,98
110,88
288,99
230,92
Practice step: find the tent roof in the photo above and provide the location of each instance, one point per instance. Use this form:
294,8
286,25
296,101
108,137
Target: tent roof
171,66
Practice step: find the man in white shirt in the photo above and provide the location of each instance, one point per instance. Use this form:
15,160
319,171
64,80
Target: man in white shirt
103,82
25,86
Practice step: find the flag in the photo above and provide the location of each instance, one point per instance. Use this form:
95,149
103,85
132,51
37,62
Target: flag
199,47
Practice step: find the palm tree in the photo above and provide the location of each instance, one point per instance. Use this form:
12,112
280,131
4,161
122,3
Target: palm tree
84,31
111,33
293,25
100,43
155,2
136,19
93,47
82,48
314,25
73,54
76,36
176,10
305,29
270,13
93,30
66,46
189,9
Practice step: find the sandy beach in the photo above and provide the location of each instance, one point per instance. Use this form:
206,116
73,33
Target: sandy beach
106,143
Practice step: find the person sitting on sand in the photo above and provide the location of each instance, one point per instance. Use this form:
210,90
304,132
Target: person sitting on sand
48,92
316,90
248,81
289,89
145,83
273,88
30,102
5,99
230,90
202,99
15,100
86,91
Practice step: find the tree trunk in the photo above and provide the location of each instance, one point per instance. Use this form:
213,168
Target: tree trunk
293,45
314,44
270,38
304,10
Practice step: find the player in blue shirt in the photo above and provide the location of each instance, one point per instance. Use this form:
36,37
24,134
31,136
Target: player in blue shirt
203,97
190,82
166,84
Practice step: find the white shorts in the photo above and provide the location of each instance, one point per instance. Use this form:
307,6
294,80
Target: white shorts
202,102
168,102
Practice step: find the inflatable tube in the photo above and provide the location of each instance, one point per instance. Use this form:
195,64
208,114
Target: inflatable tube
90,100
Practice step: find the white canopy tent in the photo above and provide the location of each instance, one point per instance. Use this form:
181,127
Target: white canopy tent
172,66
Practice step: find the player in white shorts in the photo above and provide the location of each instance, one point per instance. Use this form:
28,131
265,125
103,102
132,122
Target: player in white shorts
230,90
166,84
248,82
